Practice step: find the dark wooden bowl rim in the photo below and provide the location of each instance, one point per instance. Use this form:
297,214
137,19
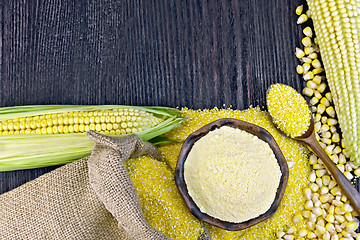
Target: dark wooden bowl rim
250,128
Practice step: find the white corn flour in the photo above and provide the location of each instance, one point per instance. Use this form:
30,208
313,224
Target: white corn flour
232,175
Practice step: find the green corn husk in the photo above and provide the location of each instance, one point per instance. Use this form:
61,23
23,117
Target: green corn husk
26,151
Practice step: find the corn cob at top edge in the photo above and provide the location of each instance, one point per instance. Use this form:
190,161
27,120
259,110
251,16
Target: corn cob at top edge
39,136
337,29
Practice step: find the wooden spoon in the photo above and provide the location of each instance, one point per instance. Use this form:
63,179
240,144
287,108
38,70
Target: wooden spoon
347,188
309,139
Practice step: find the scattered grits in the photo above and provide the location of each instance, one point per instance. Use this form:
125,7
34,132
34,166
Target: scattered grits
232,175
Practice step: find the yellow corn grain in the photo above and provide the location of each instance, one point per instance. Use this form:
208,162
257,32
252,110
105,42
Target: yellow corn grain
308,32
300,69
306,60
308,76
299,10
302,18
318,70
308,92
313,56
299,53
317,94
317,79
306,67
308,50
316,63
306,41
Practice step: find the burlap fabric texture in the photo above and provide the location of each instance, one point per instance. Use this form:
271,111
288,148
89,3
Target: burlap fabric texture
92,198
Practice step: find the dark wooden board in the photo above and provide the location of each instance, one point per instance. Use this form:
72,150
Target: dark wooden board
198,54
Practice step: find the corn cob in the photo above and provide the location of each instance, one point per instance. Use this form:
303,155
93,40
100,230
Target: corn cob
337,26
39,136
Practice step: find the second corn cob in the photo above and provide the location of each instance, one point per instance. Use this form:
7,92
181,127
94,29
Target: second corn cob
40,136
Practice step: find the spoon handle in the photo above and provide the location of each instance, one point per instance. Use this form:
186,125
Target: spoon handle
347,188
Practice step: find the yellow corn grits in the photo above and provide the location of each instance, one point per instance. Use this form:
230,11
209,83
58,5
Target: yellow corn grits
288,109
163,206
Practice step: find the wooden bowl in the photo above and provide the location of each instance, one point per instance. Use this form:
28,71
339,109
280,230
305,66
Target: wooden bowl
250,128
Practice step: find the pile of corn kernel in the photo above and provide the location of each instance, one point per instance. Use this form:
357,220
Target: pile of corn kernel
164,208
327,211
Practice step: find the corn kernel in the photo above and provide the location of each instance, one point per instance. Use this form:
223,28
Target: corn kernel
316,63
309,205
308,76
299,53
348,175
326,180
326,236
288,237
308,32
313,56
320,229
306,213
306,60
333,129
339,217
330,111
298,218
308,50
302,18
314,101
330,218
321,88
280,234
299,10
306,67
357,172
318,70
311,235
330,227
335,191
324,190
341,167
306,41
342,158
328,96
348,216
312,177
308,92
351,226
317,79
329,149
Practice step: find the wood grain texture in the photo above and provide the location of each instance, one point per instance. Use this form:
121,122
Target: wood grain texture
197,54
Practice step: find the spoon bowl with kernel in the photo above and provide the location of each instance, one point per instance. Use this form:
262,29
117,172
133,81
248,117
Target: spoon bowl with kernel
291,114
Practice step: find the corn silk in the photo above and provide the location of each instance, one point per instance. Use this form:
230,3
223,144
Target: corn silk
164,207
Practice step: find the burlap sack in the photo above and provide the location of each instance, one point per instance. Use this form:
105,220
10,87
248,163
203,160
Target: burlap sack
92,198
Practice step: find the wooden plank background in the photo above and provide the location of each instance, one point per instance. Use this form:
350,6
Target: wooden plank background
198,54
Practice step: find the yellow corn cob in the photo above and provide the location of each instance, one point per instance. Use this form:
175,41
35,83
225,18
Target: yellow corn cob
337,27
39,136
112,121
